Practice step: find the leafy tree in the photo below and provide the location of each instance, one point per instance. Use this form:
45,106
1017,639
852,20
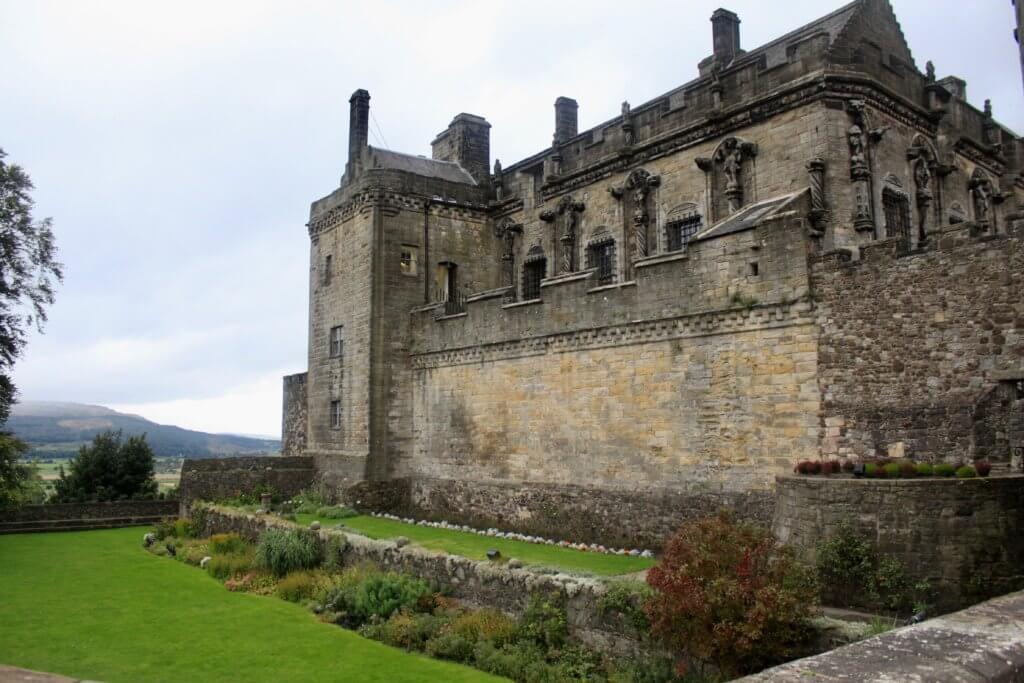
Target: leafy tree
19,481
29,271
109,469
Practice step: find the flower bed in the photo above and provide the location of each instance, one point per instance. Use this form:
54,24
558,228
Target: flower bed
889,468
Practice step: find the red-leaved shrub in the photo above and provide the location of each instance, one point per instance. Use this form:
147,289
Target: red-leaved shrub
814,467
837,467
848,465
728,594
982,467
908,469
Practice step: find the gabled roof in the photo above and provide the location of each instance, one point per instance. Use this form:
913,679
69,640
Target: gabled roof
831,24
422,166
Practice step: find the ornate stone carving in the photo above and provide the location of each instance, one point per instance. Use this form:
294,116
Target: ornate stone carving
925,165
499,190
819,209
725,171
929,72
627,125
981,199
556,157
860,137
565,220
508,230
638,186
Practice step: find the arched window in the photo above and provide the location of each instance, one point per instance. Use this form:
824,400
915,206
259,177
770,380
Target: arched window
534,269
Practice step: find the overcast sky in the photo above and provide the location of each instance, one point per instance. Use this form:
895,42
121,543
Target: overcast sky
177,147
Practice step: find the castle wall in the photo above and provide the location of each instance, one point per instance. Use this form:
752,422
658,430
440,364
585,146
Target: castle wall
295,420
912,344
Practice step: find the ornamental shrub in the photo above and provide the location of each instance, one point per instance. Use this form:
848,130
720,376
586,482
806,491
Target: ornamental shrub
301,585
848,465
381,595
627,598
335,512
804,467
814,467
728,594
287,550
879,472
227,543
892,470
406,630
229,565
924,469
870,469
966,472
545,622
944,469
983,467
908,469
837,466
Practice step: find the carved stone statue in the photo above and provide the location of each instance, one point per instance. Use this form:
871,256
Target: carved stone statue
929,71
988,109
498,189
858,160
627,125
981,195
625,111
731,167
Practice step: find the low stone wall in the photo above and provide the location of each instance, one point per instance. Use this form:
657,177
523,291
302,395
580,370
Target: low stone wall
65,516
984,643
613,517
965,536
480,584
221,478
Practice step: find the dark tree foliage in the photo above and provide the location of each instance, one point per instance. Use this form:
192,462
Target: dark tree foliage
28,272
111,468
19,482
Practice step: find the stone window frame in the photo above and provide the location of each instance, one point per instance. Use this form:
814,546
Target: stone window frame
336,413
408,260
336,341
602,256
891,187
534,270
688,212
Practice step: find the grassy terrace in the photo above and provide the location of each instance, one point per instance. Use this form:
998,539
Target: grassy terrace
95,605
475,546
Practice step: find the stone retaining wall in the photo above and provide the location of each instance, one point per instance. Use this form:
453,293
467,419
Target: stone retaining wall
615,517
978,645
215,479
64,516
965,536
480,584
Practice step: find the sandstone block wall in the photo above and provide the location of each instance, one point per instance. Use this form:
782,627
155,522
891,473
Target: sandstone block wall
964,536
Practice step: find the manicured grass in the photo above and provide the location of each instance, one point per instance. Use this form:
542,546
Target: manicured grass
475,546
95,605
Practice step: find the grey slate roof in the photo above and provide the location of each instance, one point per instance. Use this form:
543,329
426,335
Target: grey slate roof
429,168
748,216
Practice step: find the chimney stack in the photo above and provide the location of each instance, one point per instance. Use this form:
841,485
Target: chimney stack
358,128
467,142
725,33
566,119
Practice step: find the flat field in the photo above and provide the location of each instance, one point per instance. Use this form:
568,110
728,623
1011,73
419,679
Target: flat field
95,605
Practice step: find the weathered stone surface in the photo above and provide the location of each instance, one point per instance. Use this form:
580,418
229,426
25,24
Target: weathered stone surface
964,536
214,479
981,644
69,516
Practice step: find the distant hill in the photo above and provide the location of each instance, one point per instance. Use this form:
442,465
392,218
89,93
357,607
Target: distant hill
56,430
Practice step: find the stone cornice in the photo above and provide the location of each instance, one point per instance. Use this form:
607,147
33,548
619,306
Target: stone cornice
394,201
636,332
805,91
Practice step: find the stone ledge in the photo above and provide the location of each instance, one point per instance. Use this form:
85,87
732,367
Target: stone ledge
981,643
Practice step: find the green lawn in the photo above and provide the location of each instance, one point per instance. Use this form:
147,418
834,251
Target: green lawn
94,604
475,546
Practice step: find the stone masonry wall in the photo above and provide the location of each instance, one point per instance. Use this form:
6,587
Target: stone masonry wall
640,518
913,344
294,415
481,584
213,479
964,536
93,511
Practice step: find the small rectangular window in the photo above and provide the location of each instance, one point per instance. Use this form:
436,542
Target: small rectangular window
327,269
337,341
409,258
752,269
680,231
897,216
335,414
602,257
533,273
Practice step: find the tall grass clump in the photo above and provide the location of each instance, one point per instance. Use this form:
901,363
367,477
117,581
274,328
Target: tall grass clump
287,550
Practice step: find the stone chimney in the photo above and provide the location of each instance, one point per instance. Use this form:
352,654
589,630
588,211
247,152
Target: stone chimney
566,119
468,143
358,129
725,33
957,87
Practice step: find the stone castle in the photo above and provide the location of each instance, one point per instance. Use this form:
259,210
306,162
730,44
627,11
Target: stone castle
811,250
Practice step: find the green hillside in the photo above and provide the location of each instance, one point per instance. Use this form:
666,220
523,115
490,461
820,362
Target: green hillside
56,430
